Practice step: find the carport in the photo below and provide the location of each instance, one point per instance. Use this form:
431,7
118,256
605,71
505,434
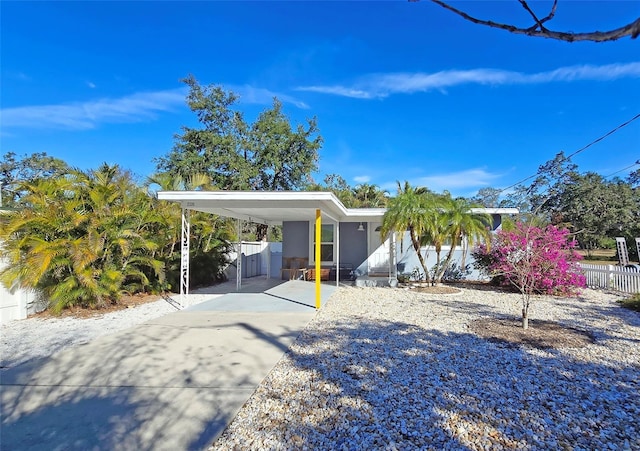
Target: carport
269,208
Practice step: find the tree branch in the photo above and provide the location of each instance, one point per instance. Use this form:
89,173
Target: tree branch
539,22
539,30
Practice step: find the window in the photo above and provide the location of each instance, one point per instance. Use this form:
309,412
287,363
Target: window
327,243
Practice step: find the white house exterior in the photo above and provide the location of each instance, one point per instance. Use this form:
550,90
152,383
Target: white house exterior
350,238
14,304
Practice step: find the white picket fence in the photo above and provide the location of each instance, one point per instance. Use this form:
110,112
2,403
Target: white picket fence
618,278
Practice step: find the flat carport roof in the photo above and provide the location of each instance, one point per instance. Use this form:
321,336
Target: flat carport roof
271,207
275,207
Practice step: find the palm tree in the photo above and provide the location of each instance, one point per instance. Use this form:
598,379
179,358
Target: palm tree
411,209
211,235
83,239
462,227
437,233
369,196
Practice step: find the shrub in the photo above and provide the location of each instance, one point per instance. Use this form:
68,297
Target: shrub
542,258
534,260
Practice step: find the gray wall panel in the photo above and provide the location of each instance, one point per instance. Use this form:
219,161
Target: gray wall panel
295,239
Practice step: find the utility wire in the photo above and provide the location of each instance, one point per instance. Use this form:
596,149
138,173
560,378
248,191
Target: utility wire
623,169
597,140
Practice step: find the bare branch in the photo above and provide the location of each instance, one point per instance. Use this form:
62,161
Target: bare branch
538,23
539,30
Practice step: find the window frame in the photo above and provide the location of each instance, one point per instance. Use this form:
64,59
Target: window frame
312,243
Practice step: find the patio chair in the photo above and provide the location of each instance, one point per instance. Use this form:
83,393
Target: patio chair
294,268
324,274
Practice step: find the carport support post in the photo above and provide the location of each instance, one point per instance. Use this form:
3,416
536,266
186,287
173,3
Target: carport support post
239,260
184,257
318,257
337,253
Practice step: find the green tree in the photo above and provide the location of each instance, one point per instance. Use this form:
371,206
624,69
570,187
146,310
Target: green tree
435,220
82,239
633,178
594,209
369,196
487,197
465,228
337,185
210,238
412,210
218,149
28,168
284,157
546,190
266,155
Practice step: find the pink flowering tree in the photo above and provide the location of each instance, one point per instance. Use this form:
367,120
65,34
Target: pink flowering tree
534,260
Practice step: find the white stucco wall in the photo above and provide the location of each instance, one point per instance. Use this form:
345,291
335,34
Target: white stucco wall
14,304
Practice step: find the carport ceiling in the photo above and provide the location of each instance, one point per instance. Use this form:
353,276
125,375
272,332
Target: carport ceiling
270,207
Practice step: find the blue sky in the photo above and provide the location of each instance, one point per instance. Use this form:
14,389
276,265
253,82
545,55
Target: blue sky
401,91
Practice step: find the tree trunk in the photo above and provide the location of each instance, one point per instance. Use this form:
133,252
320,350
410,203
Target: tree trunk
525,319
442,268
261,232
437,276
416,247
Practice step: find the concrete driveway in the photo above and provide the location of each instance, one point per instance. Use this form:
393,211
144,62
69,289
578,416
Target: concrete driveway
173,383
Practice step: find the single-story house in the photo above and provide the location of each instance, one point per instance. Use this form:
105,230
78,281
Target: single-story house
349,241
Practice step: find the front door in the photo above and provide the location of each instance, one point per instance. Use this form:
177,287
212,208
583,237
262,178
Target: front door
378,261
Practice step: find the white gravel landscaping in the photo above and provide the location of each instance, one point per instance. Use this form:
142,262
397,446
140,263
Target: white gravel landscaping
381,368
389,369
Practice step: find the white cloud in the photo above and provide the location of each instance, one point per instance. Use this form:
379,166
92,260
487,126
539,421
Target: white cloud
457,183
362,179
341,91
91,85
384,85
261,96
87,115
469,178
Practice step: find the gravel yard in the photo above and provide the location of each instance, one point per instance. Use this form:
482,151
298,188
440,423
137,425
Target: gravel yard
391,369
394,369
36,336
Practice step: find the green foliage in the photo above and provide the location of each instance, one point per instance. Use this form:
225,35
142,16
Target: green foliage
412,209
86,238
435,220
594,209
360,196
267,155
487,197
632,303
369,196
81,239
284,157
29,168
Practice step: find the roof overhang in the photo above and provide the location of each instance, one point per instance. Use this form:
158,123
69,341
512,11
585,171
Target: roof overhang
276,207
269,207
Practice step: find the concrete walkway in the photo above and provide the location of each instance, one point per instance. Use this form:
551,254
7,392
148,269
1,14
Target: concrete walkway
173,383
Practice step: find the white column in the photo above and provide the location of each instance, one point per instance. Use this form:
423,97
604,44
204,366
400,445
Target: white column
268,260
239,260
184,257
393,266
337,253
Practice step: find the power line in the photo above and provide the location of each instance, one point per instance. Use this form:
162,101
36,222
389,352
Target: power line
604,136
623,169
597,140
